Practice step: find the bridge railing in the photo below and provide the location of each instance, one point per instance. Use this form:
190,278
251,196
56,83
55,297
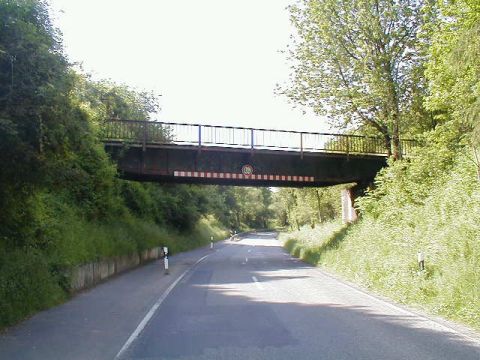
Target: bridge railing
151,132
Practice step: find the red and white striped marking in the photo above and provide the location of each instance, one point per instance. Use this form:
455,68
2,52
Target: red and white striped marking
221,175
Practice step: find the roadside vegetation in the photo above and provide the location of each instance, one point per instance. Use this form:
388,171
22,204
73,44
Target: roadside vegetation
61,202
380,251
428,203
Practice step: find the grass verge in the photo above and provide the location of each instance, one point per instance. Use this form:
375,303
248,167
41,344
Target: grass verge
33,279
370,254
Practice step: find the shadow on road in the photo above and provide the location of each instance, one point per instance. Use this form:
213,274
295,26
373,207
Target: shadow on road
219,312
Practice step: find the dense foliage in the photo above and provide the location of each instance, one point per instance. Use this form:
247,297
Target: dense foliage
430,202
360,63
61,202
437,215
294,208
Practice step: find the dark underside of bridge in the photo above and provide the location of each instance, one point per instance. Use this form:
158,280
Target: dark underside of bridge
233,166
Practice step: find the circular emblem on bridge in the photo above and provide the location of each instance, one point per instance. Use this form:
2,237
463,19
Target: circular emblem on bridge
247,169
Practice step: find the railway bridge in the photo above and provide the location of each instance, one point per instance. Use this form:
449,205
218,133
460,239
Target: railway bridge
225,155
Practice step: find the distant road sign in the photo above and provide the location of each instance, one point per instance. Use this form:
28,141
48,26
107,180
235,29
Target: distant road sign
247,169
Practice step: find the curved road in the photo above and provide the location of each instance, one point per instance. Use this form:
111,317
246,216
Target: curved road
247,299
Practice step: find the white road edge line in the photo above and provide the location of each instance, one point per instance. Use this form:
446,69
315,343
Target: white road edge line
257,283
152,310
399,309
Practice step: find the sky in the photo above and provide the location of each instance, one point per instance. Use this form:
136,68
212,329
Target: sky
213,61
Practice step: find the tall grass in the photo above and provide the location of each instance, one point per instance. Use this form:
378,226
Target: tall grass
380,251
310,244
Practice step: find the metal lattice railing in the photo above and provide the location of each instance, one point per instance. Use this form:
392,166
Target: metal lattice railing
151,132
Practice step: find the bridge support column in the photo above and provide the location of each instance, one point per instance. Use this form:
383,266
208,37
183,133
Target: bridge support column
349,214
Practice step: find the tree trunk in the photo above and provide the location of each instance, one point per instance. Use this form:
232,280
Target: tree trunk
318,206
393,110
388,144
397,151
476,161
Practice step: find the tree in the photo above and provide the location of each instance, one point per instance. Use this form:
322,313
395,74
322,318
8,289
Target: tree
33,107
252,206
453,70
359,62
104,100
298,207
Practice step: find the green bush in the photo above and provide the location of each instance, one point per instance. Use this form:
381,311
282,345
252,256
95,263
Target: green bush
27,285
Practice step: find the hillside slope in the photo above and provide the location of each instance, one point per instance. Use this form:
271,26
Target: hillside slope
432,208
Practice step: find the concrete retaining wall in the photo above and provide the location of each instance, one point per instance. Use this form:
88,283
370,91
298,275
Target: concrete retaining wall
87,275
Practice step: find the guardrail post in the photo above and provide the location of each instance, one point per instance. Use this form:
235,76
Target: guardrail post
144,142
199,136
301,145
251,142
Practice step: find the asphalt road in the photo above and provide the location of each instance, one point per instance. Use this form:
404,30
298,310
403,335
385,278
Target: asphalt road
246,299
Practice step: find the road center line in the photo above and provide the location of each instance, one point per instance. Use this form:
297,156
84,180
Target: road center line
154,308
257,283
